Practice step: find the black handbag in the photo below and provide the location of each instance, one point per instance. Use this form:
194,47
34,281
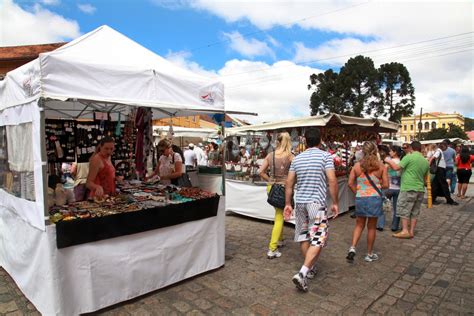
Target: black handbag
276,196
182,181
434,164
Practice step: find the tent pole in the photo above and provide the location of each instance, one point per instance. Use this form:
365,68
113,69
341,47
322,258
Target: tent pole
223,169
44,157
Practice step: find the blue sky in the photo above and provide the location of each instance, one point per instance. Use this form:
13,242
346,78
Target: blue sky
262,50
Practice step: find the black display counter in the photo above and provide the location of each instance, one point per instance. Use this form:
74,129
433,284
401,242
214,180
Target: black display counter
79,231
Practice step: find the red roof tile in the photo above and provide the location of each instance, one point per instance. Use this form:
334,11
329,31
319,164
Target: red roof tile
28,51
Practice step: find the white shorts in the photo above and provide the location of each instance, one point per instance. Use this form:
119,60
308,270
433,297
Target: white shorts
317,215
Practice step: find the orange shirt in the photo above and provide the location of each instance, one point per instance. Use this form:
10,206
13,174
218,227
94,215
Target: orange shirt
466,165
106,178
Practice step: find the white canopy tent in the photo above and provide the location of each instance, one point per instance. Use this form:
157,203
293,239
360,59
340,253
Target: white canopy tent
107,72
101,71
319,120
179,131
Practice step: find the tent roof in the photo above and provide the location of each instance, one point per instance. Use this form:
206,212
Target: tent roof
439,141
179,131
330,119
105,69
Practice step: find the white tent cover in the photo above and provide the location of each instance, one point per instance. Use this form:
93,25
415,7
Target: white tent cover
320,120
101,71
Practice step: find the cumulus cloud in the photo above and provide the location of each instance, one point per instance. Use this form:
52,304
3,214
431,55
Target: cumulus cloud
441,70
37,26
183,60
87,8
275,91
248,47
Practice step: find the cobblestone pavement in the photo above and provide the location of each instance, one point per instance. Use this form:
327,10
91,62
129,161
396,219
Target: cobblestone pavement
430,274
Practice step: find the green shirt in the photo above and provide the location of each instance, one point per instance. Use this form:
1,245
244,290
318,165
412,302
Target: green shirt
415,167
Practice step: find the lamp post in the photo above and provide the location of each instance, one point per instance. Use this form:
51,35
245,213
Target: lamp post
421,124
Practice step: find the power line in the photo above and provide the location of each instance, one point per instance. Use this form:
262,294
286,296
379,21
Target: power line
269,80
352,54
263,31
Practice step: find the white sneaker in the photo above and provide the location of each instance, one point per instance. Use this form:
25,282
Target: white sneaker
300,281
371,257
311,273
273,254
351,254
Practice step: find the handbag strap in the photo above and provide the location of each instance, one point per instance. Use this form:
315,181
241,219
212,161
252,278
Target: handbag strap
373,184
273,172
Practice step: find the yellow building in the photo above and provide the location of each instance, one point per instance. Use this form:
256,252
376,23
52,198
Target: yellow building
410,127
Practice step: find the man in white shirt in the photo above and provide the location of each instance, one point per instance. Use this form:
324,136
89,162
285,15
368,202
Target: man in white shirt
200,156
190,159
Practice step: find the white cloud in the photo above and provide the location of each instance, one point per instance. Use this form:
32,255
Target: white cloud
87,8
171,4
442,83
51,2
248,47
276,92
38,26
182,59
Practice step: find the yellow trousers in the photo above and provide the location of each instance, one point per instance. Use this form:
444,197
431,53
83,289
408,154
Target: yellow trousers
277,231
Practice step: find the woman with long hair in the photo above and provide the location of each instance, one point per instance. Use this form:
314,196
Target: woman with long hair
170,162
278,162
464,164
101,177
367,178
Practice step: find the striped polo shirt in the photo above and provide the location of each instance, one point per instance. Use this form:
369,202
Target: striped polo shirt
310,167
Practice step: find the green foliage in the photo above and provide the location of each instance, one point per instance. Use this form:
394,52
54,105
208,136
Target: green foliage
361,89
398,94
327,95
468,124
453,131
358,79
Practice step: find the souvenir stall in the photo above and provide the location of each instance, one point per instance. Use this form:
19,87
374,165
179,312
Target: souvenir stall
92,255
246,193
207,177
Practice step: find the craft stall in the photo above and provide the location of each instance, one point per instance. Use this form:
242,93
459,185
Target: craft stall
83,256
207,177
245,192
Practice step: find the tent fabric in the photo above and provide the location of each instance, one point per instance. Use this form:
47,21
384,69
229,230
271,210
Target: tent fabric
320,120
106,67
185,131
101,71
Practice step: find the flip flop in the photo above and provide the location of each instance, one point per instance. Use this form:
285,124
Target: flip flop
402,235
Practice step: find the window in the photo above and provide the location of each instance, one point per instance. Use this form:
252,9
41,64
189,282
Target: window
433,125
411,127
420,126
427,125
411,137
16,161
404,127
443,125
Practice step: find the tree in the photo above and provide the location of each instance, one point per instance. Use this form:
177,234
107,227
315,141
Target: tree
453,131
358,79
468,124
397,97
327,95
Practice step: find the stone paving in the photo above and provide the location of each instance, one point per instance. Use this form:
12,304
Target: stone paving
432,273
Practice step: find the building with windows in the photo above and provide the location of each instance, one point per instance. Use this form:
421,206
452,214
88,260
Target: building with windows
411,127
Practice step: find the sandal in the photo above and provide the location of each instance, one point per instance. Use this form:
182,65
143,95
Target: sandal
402,235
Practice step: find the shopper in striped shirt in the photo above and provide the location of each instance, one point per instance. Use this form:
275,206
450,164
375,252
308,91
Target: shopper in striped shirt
312,171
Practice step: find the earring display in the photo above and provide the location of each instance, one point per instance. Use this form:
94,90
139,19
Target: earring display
60,140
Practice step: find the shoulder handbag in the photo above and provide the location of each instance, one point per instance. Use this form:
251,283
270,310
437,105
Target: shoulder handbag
183,180
276,196
385,201
434,164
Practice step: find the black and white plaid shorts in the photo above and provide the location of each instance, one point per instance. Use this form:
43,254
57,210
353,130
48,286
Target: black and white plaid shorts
317,215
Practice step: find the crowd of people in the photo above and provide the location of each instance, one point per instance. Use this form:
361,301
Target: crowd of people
396,173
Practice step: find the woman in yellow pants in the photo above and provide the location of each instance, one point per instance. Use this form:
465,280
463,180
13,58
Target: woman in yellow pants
275,170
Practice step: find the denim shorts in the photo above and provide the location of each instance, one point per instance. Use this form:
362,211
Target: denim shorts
370,206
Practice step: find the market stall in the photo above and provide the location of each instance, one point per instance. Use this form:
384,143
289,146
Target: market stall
207,177
104,253
246,193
